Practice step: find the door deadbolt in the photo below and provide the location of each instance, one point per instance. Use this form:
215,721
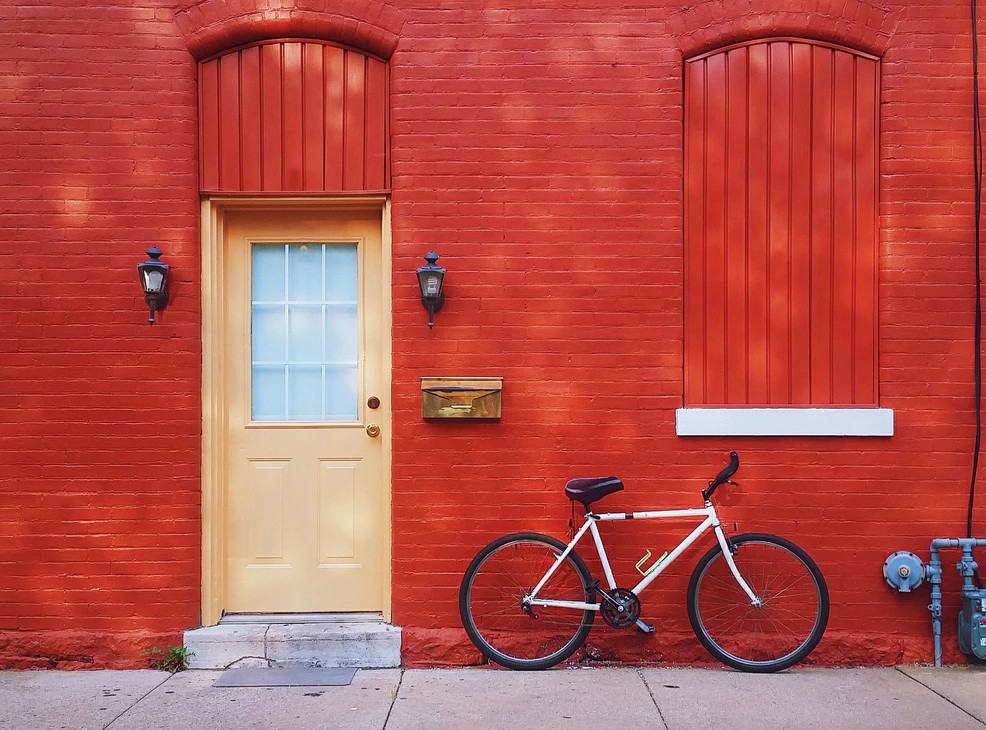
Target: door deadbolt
373,402
373,430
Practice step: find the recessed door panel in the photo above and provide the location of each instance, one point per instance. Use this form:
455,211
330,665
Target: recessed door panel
337,512
266,505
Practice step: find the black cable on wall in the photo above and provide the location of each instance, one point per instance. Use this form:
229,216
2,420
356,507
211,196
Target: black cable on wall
977,178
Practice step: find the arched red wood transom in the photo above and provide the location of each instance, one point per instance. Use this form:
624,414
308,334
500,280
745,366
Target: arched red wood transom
294,117
781,193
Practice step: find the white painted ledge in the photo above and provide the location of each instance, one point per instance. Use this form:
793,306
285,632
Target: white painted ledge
784,422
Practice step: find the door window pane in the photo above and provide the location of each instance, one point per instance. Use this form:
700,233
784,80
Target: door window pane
268,273
340,383
305,272
304,332
341,330
267,332
268,393
304,392
340,274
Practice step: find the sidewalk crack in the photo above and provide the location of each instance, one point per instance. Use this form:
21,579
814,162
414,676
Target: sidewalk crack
233,663
652,698
934,691
139,700
393,700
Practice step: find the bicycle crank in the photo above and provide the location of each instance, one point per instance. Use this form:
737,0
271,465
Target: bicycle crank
620,607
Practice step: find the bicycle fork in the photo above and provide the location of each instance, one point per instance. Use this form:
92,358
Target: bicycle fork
727,553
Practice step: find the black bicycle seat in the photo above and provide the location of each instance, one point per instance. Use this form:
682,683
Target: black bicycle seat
589,490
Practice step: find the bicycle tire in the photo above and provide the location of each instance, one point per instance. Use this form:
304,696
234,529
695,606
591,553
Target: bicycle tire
523,632
776,615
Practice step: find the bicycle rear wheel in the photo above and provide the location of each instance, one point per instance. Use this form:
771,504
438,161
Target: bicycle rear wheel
771,637
491,602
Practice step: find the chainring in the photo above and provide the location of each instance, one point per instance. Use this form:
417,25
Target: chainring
623,610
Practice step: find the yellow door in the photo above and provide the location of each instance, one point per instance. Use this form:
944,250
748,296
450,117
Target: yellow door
307,412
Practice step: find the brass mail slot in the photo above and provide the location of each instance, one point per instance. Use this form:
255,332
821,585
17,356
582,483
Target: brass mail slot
461,397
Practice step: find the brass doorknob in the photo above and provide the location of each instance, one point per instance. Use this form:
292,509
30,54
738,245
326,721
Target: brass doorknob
373,430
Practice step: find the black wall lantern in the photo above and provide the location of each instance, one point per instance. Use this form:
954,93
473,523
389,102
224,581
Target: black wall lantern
154,281
430,279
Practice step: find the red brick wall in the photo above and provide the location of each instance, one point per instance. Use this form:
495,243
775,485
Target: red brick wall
539,151
99,412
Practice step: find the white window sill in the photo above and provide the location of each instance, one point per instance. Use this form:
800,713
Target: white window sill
784,422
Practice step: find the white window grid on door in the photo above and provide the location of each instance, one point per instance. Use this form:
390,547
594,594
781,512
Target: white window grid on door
338,377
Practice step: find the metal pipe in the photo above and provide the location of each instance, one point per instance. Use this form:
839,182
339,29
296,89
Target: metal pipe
954,542
967,567
934,577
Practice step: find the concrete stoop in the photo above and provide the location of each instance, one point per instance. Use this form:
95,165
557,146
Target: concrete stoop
362,645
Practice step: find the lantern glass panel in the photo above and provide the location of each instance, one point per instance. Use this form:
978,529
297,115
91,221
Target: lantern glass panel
431,284
153,280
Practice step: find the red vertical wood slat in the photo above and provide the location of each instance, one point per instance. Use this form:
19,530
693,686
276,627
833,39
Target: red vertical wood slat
292,149
800,242
229,122
715,229
386,130
779,224
843,230
313,120
694,224
209,124
821,225
335,90
864,325
250,119
376,125
757,294
270,110
353,126
735,264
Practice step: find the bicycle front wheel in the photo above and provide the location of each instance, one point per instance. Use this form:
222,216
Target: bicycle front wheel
494,615
766,638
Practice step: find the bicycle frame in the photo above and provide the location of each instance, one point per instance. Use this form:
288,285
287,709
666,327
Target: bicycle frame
710,519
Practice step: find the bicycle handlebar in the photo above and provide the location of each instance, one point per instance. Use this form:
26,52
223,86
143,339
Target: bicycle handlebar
723,476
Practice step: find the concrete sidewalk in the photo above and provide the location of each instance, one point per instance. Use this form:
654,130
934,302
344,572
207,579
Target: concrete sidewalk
477,699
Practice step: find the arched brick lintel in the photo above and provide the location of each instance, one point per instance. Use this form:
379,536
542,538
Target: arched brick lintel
212,26
861,24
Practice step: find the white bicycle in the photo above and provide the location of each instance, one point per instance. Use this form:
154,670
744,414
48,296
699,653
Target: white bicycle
757,602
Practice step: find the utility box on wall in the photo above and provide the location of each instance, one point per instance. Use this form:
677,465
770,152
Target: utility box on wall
447,397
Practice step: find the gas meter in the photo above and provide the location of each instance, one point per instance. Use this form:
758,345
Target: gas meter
972,624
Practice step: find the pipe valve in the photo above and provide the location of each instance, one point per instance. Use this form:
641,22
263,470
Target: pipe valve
903,571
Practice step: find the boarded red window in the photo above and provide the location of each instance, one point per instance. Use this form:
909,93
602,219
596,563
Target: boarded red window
293,117
781,225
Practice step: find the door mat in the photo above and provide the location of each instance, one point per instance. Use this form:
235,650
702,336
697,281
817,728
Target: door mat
286,676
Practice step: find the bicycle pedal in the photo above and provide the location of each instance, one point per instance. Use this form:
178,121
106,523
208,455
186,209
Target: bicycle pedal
645,627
